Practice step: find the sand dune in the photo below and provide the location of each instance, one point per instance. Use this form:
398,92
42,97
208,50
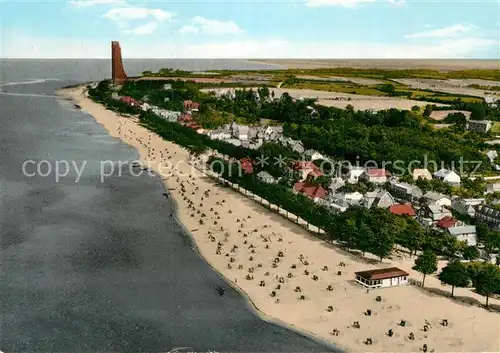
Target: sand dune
260,252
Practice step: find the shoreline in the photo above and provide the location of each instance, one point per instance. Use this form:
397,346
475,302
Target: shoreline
383,64
248,300
309,317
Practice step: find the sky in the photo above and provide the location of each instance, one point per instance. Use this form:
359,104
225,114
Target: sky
312,29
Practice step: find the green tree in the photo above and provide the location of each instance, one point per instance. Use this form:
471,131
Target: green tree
263,93
470,253
324,181
478,111
489,238
428,110
455,274
488,281
383,242
413,236
388,88
426,264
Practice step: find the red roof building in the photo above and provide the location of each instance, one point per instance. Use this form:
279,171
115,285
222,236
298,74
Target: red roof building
447,222
307,168
377,173
130,101
402,210
384,277
193,126
310,190
189,105
246,165
185,118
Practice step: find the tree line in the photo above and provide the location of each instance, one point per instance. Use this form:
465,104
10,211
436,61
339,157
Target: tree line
374,230
482,276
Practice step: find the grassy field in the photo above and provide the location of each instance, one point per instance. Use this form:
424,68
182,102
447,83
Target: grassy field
341,87
496,127
380,74
324,80
452,98
373,90
485,88
486,74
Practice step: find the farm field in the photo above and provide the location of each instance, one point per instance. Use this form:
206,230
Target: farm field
342,100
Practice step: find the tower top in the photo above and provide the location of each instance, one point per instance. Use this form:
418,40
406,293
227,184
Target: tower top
118,74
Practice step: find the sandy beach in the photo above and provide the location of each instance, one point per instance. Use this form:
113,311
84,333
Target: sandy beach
242,240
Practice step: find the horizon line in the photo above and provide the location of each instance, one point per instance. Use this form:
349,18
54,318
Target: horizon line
249,59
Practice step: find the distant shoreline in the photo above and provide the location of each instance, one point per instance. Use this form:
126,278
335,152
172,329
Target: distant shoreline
432,64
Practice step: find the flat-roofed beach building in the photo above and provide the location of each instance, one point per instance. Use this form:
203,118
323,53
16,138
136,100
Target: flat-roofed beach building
384,277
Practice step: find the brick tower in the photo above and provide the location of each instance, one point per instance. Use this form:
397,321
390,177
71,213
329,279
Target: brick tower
118,74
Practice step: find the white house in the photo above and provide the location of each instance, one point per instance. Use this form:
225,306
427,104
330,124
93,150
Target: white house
429,215
421,173
378,198
491,188
242,133
354,174
464,207
479,125
473,202
296,146
406,191
448,176
235,142
436,199
464,233
239,132
272,133
380,278
218,134
374,175
336,183
353,196
266,177
335,202
492,155
340,202
313,155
